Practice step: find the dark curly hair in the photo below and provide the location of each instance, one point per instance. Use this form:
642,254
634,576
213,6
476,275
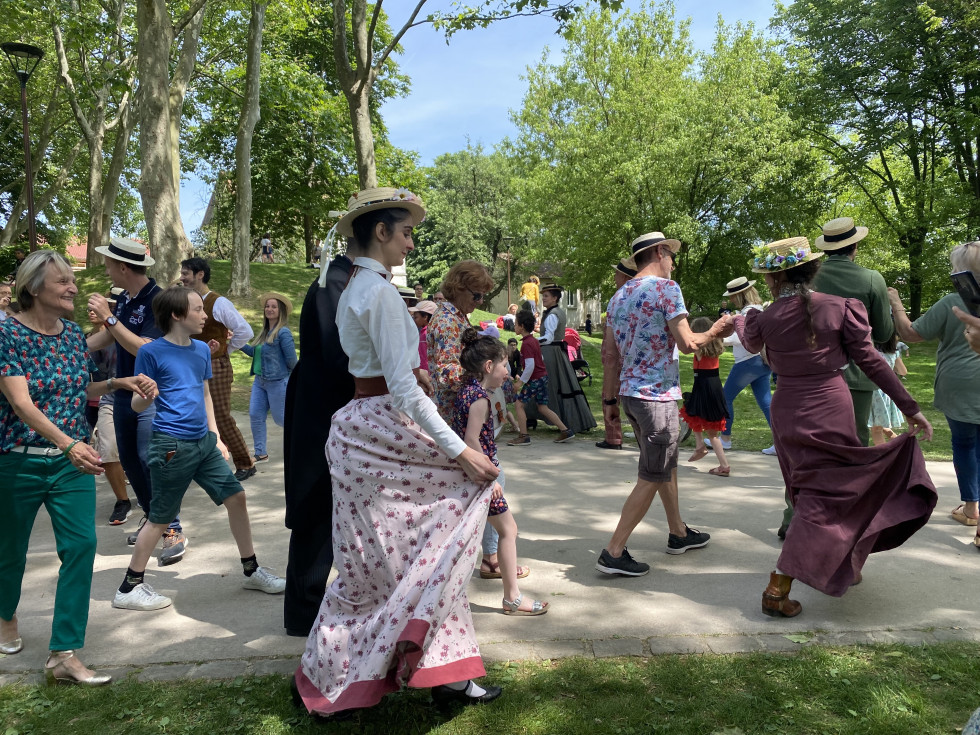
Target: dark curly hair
477,349
801,277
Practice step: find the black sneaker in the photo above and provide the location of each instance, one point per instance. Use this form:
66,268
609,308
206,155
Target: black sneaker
245,473
693,540
120,512
625,564
606,445
131,538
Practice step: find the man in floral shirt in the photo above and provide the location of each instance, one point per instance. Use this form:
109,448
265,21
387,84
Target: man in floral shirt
647,323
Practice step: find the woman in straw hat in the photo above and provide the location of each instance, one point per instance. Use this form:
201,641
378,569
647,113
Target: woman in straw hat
749,368
273,353
849,500
411,500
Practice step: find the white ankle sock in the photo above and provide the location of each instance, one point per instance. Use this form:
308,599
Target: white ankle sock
471,687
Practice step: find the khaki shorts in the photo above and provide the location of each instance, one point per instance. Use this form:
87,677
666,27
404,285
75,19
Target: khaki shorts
656,428
104,438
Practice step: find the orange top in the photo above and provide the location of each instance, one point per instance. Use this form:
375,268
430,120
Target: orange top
705,363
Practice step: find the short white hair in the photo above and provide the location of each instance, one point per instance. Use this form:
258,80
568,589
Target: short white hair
33,272
965,257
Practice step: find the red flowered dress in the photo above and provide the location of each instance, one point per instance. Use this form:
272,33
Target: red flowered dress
704,407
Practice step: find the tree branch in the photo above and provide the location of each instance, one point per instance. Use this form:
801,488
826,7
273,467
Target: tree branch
410,23
193,10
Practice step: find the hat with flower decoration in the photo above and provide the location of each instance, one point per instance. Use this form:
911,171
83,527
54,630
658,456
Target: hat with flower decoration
385,197
782,255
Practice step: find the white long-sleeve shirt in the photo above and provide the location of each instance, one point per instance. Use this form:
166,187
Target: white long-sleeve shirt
380,338
738,352
548,327
225,312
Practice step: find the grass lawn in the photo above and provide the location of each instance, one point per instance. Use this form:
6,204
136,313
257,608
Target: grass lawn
887,690
751,431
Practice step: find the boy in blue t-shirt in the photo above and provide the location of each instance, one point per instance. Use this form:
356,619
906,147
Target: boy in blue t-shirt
185,446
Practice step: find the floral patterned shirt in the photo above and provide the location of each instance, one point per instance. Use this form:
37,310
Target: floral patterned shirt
57,370
444,340
638,315
468,394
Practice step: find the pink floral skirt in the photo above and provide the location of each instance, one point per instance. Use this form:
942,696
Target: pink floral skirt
406,535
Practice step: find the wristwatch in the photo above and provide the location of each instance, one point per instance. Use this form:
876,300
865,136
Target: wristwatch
110,322
610,401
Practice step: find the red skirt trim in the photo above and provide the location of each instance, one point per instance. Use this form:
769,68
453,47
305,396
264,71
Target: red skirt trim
699,424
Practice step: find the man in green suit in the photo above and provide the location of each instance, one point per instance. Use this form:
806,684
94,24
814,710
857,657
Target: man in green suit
841,276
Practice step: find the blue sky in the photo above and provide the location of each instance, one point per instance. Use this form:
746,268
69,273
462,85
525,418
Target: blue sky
466,90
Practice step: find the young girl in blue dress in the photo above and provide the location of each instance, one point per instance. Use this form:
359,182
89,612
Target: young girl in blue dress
484,360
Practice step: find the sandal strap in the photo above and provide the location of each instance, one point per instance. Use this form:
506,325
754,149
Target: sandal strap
516,604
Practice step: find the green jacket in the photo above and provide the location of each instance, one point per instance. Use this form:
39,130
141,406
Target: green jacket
841,276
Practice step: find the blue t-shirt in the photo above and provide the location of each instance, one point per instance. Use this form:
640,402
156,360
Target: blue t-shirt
57,369
136,314
180,372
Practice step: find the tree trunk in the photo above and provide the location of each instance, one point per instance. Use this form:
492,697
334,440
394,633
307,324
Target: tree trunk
308,237
913,242
359,104
168,241
241,237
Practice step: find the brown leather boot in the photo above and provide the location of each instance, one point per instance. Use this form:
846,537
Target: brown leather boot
775,600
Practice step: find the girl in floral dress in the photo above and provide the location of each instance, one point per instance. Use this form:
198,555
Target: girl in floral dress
705,410
410,500
484,361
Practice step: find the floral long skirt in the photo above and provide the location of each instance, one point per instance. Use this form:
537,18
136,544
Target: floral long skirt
406,535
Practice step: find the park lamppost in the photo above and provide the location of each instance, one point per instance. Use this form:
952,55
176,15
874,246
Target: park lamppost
24,59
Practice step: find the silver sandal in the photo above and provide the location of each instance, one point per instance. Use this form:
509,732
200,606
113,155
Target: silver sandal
512,608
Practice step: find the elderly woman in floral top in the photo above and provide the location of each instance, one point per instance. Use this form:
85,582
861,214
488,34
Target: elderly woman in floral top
467,284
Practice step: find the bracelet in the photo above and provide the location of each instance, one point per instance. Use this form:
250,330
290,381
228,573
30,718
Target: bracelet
70,447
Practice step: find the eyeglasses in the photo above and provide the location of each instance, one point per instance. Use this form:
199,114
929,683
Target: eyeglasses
477,296
672,254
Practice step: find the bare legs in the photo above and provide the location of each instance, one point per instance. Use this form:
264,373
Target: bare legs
117,479
637,505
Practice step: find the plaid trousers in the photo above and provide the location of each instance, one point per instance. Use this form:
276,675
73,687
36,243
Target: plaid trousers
222,376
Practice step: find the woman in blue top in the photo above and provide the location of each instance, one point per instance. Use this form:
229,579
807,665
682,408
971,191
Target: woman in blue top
45,458
273,354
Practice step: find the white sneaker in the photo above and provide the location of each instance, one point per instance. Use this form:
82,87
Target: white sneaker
725,443
141,597
771,451
265,581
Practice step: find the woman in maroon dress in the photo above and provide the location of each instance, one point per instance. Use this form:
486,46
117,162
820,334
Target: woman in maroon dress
849,500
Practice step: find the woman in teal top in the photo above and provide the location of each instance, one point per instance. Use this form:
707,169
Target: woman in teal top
273,354
957,380
45,458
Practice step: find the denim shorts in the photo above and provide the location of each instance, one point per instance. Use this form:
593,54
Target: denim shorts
174,463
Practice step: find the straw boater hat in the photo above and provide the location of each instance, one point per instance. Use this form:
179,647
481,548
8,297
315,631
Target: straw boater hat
279,297
738,285
782,255
652,239
627,266
427,307
385,197
126,250
551,287
839,233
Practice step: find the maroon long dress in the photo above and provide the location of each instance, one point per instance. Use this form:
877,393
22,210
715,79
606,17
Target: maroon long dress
848,500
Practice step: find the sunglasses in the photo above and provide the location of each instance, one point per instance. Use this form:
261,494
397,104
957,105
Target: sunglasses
672,254
477,296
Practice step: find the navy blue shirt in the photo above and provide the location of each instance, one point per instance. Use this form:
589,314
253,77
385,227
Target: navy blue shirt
136,314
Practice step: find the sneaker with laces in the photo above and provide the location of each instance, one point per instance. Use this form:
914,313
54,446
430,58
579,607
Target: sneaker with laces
174,546
771,451
244,473
141,597
726,442
264,580
694,539
519,440
120,512
564,436
625,564
131,538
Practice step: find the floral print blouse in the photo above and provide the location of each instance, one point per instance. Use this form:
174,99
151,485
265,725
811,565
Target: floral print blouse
444,340
638,314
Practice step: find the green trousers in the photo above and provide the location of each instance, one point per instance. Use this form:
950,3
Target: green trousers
31,481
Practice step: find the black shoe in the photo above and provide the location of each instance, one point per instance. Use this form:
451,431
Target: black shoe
131,538
345,714
443,695
782,531
693,540
120,512
606,445
625,564
245,473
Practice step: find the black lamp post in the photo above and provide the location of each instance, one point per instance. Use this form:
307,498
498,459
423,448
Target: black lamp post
24,59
